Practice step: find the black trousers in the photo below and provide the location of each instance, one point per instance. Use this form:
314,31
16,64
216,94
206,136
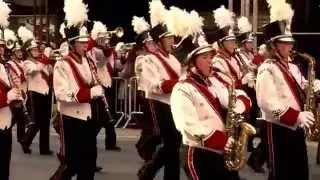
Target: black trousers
288,157
80,148
150,137
19,118
5,153
168,154
201,164
40,110
103,121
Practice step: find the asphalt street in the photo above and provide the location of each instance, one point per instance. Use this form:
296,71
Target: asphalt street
116,165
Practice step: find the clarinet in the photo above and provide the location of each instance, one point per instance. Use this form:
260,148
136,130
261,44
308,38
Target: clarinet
103,98
19,104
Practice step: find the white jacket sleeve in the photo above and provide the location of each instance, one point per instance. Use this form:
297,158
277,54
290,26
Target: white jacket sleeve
151,75
184,112
30,68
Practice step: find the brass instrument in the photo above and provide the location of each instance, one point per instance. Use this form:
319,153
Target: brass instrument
313,133
240,131
56,55
10,44
118,32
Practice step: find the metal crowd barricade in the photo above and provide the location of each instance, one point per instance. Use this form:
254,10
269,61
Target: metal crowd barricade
121,100
133,105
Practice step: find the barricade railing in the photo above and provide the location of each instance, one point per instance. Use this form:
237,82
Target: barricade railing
121,100
133,104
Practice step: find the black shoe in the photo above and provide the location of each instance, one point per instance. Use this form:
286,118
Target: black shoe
144,174
98,169
46,153
255,166
114,148
25,148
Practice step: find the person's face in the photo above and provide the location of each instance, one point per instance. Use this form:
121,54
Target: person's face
167,43
248,45
229,45
81,47
18,54
150,45
203,63
284,48
35,52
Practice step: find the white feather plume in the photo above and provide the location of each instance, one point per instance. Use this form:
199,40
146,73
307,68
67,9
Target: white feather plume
176,21
280,10
139,24
195,23
98,27
61,30
157,12
25,34
244,25
9,35
76,12
223,17
4,14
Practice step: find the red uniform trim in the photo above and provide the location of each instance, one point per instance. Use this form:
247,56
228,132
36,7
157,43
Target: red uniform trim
290,117
168,85
84,94
192,170
4,89
216,140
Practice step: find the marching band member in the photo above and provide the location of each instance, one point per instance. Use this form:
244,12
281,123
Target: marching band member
16,72
225,59
7,95
279,94
37,72
103,58
160,72
196,105
149,139
75,89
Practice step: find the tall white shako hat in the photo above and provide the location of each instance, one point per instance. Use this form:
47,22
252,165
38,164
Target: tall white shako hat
158,15
224,23
279,28
244,33
142,29
76,16
187,26
4,16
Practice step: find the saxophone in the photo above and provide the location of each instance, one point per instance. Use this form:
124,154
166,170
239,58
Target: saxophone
313,133
240,131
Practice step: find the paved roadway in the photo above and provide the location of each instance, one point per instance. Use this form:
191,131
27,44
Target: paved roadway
116,165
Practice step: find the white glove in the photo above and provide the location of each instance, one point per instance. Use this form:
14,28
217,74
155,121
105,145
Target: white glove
13,94
249,78
229,143
239,107
96,91
306,119
47,51
118,46
316,86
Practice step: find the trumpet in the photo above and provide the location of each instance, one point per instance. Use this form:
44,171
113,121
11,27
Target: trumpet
118,32
126,47
10,44
56,55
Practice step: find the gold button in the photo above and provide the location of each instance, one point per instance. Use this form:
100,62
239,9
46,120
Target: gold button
78,112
